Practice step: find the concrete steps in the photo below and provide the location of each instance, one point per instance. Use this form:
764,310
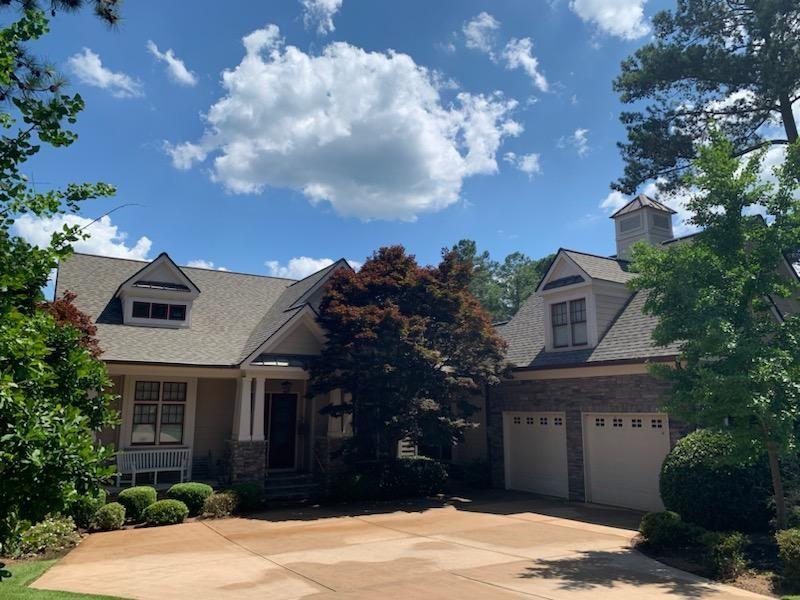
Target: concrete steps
291,486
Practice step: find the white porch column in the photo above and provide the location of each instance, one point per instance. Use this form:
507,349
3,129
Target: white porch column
241,424
258,410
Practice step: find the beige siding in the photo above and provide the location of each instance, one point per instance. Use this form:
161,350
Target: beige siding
213,420
110,435
607,307
299,341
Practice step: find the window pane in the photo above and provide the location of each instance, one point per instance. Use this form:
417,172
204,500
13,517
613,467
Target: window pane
559,313
177,312
143,434
579,334
158,311
144,423
146,390
577,311
171,431
141,310
561,336
171,434
172,413
174,391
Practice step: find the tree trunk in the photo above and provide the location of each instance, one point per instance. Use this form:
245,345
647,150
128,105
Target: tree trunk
789,124
777,485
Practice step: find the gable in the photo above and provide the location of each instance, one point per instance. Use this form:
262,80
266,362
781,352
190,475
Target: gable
300,340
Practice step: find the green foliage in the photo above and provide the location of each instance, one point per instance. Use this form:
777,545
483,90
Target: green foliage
665,530
739,365
165,512
192,494
400,478
789,553
731,65
409,344
502,288
82,508
54,392
220,504
249,496
702,481
109,517
136,499
51,535
724,553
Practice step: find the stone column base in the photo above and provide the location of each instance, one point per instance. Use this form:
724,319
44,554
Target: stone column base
247,461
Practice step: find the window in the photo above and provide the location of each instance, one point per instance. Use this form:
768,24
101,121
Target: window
577,318
661,221
560,325
542,420
157,310
558,421
630,223
569,323
158,412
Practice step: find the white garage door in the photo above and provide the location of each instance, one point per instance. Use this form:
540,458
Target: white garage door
623,453
536,452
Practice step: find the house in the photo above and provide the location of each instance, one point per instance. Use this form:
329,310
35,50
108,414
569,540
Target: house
215,364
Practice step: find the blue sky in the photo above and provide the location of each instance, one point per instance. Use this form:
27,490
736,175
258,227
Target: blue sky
345,125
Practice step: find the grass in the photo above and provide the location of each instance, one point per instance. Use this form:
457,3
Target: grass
26,572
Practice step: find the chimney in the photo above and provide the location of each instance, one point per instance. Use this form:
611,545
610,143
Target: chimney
642,219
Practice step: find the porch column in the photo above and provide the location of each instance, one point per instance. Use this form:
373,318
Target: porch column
258,410
241,424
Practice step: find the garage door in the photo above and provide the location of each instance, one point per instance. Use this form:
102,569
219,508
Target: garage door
623,454
536,452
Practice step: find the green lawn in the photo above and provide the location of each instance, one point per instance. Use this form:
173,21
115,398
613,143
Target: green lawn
26,572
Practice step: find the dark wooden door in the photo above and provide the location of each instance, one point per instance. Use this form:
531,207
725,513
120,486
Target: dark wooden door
282,431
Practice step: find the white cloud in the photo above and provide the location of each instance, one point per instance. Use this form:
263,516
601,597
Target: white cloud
200,263
620,18
578,139
175,66
480,33
519,55
320,12
302,266
365,131
89,69
106,239
527,163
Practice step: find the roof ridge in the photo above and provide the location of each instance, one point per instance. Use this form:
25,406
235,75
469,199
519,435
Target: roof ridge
318,271
611,258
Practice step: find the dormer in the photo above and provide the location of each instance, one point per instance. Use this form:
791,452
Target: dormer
158,295
642,219
581,294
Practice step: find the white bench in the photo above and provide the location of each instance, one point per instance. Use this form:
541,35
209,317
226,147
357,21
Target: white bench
154,460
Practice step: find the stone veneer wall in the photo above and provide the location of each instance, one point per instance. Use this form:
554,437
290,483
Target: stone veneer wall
619,393
247,461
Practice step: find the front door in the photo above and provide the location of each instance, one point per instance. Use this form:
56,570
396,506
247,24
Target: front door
282,428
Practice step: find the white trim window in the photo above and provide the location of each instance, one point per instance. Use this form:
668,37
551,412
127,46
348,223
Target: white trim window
159,413
568,320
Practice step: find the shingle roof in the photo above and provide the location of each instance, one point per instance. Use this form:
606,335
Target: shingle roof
233,310
601,267
628,338
642,201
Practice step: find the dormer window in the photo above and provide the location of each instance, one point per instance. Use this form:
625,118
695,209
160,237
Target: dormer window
569,323
158,310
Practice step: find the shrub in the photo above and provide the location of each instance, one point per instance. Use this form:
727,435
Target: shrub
404,477
665,529
789,553
136,499
249,496
192,494
220,504
54,534
109,517
724,553
83,508
697,484
165,512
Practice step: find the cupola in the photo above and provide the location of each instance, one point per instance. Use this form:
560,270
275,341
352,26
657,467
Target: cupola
642,219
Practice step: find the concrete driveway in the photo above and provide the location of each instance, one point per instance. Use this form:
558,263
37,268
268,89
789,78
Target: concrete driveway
498,546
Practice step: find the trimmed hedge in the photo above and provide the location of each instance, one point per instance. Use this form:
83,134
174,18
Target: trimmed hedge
165,512
400,478
136,500
724,553
220,504
249,496
109,517
663,530
192,494
697,484
789,553
83,508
